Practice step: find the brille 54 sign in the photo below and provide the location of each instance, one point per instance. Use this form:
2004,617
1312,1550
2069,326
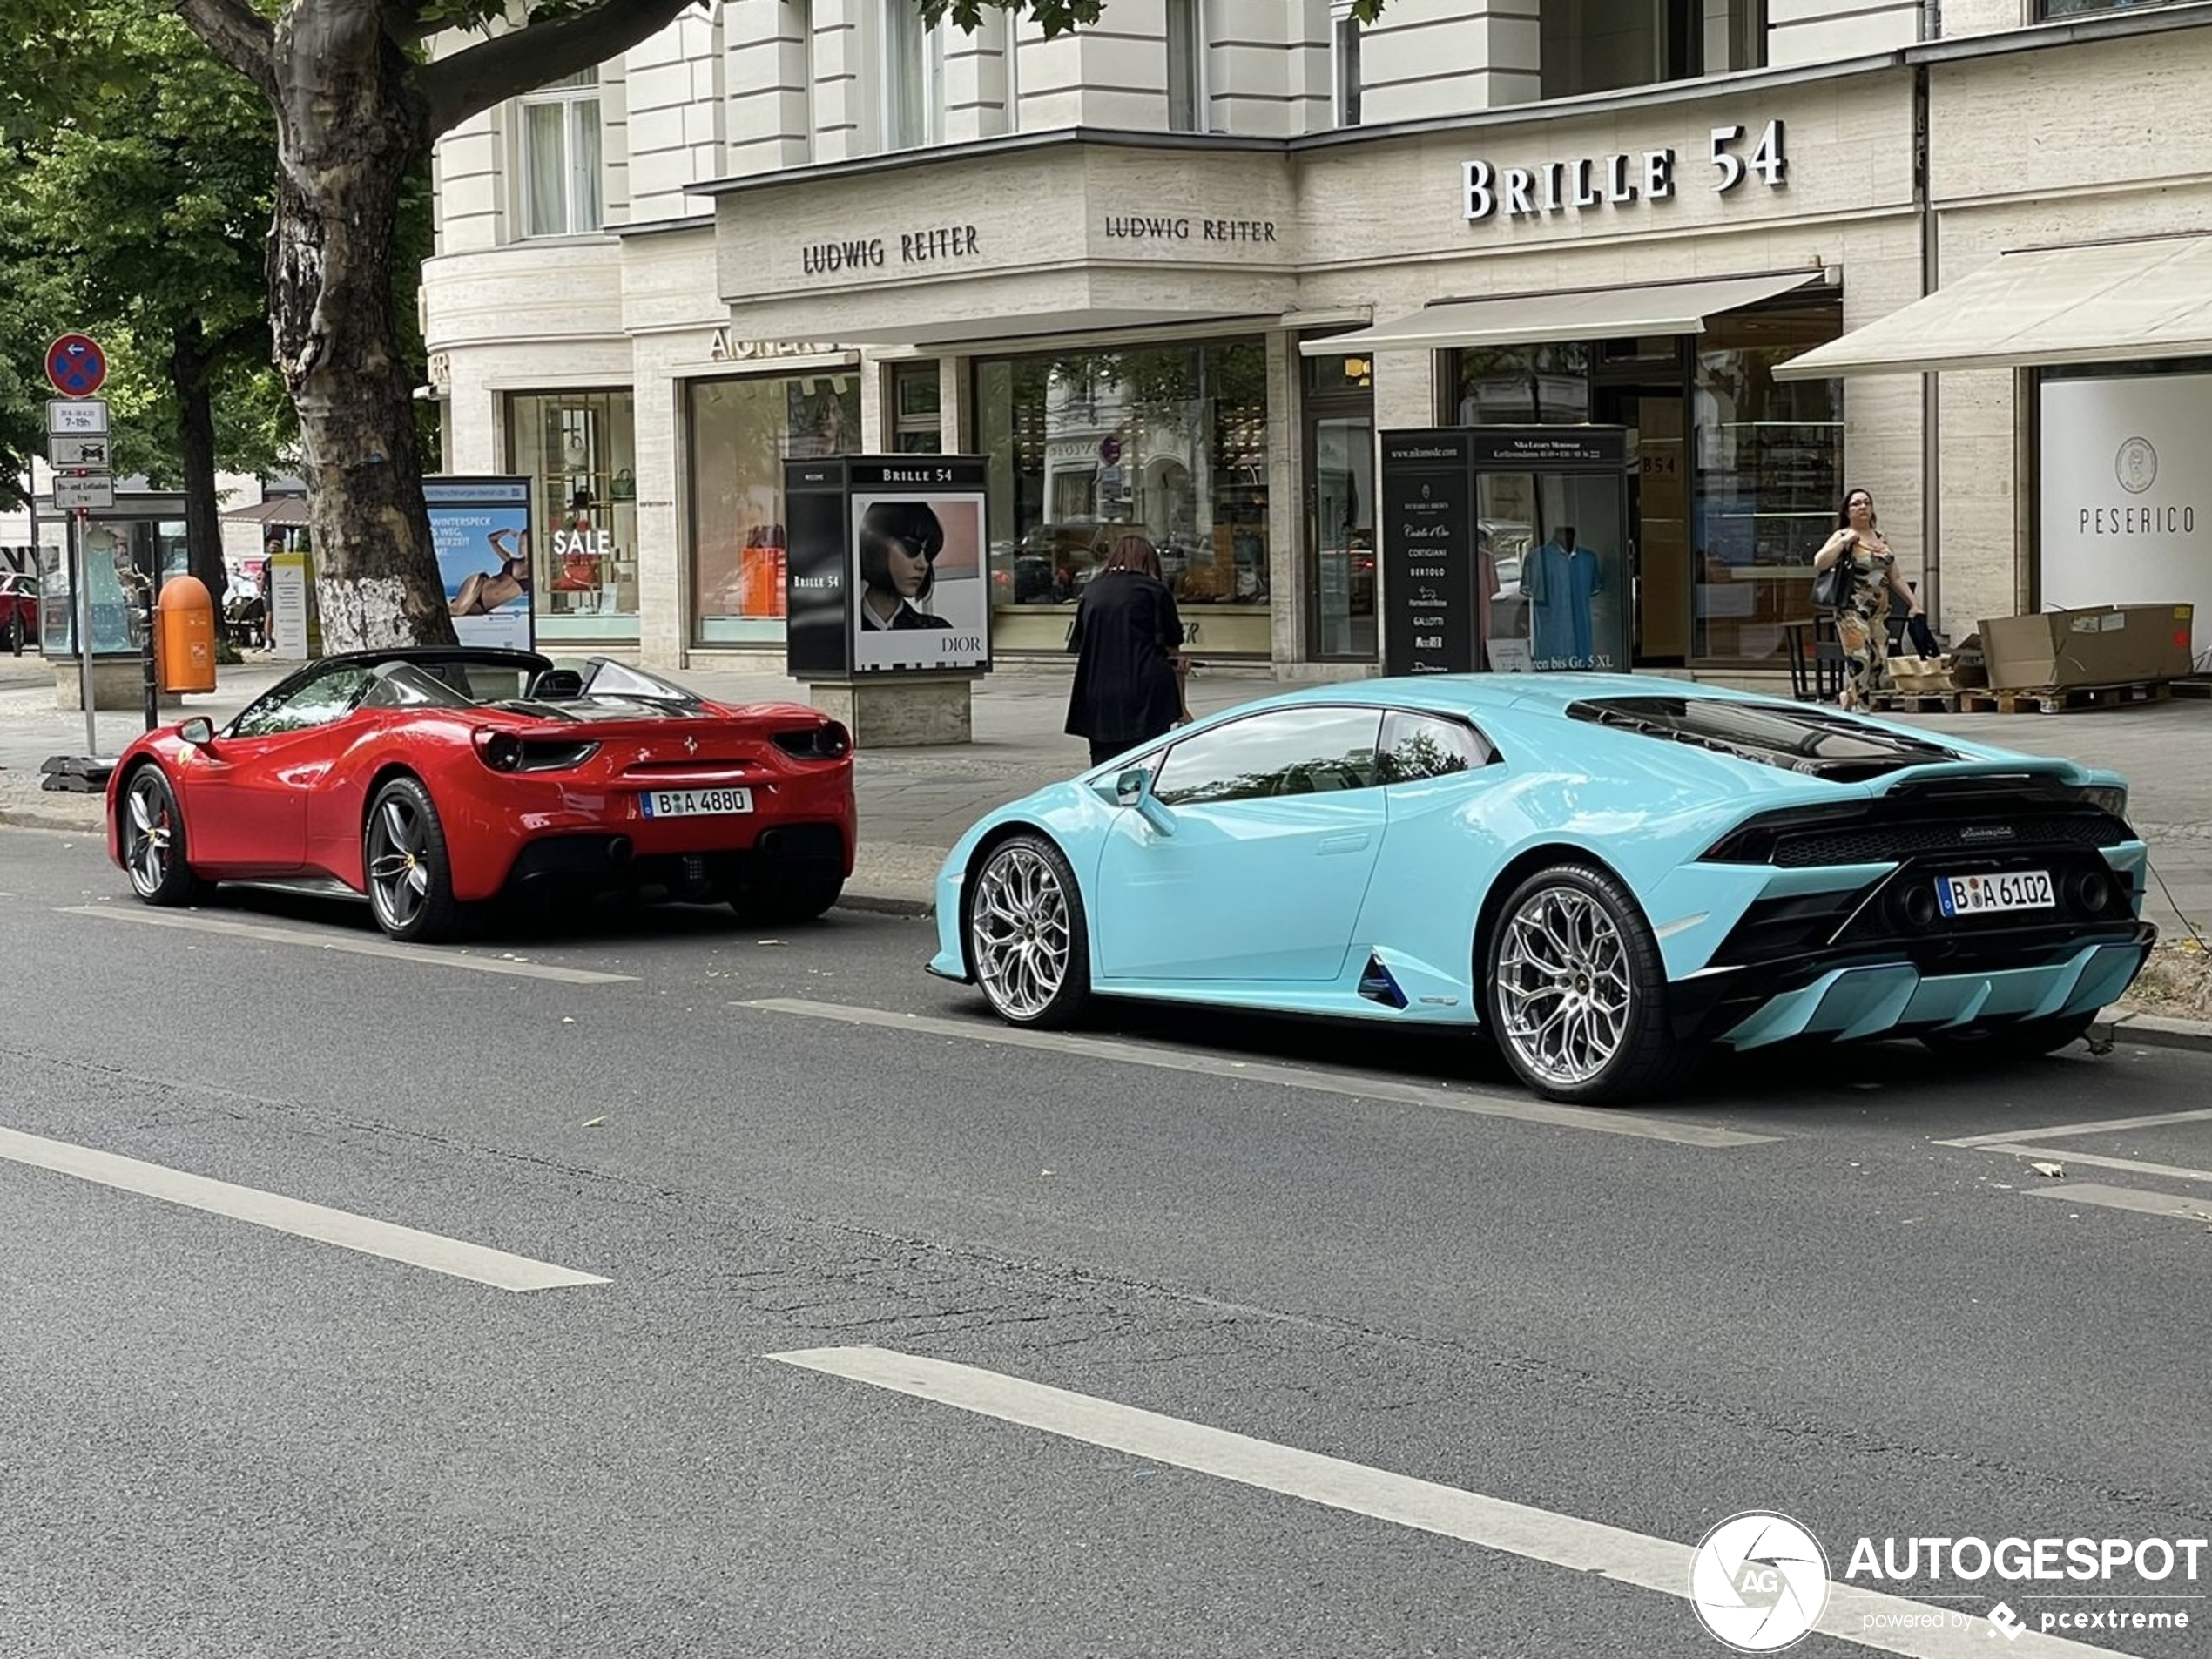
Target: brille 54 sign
1488,191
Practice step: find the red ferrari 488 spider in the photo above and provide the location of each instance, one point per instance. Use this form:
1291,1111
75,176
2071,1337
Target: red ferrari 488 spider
430,778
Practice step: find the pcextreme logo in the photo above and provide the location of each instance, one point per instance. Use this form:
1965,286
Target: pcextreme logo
1759,1581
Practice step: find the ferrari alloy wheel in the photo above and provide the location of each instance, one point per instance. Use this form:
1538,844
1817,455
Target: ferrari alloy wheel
404,858
1027,943
1575,988
154,840
2022,1040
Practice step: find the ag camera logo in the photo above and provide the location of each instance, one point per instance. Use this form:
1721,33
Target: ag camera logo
1759,1581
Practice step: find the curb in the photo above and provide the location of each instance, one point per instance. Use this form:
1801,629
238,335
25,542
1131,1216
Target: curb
2155,1030
887,904
14,818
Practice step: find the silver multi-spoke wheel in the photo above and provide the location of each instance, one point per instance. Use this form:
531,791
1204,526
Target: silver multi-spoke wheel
149,831
1025,932
1566,990
153,840
404,864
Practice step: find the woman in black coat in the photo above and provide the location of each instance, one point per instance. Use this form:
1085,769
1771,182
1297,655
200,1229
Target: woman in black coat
1127,641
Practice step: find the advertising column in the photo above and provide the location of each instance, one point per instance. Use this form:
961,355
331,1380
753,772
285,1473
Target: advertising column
1427,564
921,598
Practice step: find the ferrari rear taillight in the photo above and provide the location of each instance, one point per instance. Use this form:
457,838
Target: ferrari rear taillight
504,751
828,741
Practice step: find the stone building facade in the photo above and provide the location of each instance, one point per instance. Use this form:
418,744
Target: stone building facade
1177,274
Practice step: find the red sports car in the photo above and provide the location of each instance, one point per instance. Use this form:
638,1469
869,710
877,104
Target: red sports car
431,779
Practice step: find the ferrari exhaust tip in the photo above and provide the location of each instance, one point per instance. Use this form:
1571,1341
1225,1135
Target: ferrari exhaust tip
619,850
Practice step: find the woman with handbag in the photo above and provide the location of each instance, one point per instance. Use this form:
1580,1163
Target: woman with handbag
1855,573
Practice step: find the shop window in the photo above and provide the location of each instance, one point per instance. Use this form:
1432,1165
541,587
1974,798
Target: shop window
741,433
917,418
914,71
1186,45
1343,36
1768,477
1542,385
1296,752
1170,442
1600,45
561,186
579,450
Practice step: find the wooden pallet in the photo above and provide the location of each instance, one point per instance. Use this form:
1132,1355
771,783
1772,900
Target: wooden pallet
2072,699
1915,703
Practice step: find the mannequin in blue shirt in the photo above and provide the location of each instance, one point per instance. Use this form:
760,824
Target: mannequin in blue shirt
1561,580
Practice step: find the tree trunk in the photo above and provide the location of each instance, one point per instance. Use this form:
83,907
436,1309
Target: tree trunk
348,129
189,371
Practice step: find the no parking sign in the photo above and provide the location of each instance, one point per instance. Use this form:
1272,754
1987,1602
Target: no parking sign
76,366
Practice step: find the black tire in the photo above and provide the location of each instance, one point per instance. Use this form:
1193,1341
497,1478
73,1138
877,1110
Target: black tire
2022,1040
1024,933
406,867
802,897
154,847
17,634
1571,952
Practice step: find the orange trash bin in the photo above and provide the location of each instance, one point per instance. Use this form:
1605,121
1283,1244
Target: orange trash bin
185,635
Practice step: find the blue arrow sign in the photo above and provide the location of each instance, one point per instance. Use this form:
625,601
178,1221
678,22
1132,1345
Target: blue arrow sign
76,366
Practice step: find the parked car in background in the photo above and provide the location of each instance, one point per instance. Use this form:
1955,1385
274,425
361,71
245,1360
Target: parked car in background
429,779
18,609
1605,874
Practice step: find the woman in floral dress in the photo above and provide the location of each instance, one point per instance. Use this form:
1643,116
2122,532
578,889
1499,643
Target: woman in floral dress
1862,621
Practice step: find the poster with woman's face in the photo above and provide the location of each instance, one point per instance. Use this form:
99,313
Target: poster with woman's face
920,600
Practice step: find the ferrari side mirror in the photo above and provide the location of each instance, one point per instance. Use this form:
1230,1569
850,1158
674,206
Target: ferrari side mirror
197,732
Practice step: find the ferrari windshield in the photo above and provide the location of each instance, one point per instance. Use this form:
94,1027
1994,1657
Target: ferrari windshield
1794,736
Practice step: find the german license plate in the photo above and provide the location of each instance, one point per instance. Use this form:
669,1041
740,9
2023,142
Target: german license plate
696,803
1973,895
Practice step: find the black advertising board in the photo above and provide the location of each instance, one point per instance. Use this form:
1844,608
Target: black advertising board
885,571
818,629
1427,552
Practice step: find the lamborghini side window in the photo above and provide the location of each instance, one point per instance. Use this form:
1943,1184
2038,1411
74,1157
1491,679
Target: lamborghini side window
1416,746
1285,752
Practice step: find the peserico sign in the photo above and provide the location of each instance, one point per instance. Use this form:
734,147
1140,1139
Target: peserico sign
1586,183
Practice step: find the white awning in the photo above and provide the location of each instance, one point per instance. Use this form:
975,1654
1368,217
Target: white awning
2105,303
1590,314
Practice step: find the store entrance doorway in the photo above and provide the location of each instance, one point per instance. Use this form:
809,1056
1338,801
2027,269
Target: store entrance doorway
1659,513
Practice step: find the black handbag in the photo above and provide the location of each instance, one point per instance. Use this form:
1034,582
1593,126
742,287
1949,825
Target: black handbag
1829,586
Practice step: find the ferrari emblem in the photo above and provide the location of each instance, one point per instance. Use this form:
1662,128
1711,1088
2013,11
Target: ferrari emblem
690,745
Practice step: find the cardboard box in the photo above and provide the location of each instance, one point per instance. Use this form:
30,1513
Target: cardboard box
1922,676
2098,645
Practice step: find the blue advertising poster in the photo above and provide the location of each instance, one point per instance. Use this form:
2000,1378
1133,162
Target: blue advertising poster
480,528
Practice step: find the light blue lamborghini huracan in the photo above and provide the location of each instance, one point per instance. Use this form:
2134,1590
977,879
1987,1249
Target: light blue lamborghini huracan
1606,873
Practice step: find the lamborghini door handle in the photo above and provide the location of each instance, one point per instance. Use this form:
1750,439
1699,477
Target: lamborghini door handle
1351,843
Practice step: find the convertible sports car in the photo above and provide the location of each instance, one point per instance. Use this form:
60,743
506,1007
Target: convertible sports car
430,778
1606,873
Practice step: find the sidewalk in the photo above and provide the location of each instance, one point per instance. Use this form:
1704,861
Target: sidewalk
914,803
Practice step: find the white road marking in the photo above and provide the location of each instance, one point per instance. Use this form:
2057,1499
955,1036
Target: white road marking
2133,1166
1526,1108
2101,1126
355,947
2168,1205
416,1249
1534,1534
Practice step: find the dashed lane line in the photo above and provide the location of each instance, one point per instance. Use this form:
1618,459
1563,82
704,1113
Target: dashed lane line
428,955
1524,1107
1868,1618
439,1254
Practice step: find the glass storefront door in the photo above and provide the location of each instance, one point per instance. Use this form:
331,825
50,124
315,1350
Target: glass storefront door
1340,508
579,450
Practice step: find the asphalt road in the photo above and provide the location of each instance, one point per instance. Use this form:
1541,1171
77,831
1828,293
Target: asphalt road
1791,1291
